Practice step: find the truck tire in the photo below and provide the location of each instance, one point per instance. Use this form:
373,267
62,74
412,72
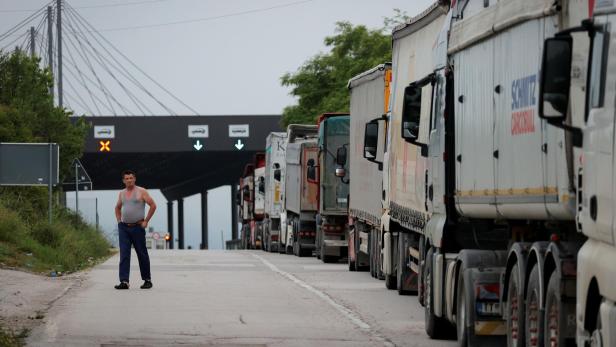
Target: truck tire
596,339
420,275
556,313
371,255
436,327
462,330
533,329
403,272
304,252
391,280
515,309
326,258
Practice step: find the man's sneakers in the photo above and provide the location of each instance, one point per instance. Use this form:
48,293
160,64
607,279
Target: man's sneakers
147,284
122,285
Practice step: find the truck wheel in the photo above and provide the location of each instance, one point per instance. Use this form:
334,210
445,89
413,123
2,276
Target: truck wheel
463,332
515,309
556,312
371,254
391,282
325,258
596,339
403,272
420,275
304,252
534,322
436,327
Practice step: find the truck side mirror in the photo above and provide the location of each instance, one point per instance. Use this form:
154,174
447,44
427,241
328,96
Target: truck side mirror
411,113
555,79
341,156
262,185
246,193
311,172
371,140
277,173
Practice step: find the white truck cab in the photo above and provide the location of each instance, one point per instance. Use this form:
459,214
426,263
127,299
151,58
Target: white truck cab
596,198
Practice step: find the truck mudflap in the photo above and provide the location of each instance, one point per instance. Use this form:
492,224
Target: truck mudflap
483,296
477,291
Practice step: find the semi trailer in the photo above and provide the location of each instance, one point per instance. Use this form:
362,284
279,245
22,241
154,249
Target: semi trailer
244,200
369,94
333,178
403,197
275,146
301,189
259,201
496,247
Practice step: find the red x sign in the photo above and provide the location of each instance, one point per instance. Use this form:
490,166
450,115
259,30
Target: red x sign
104,146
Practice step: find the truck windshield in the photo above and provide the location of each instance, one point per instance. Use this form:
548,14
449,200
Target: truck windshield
335,135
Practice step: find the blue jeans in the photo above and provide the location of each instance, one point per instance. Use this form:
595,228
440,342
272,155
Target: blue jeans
134,236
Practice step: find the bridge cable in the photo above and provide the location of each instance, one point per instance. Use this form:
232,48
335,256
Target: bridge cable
122,70
84,57
101,87
130,61
99,58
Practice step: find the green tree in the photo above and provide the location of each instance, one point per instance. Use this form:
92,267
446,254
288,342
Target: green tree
27,113
320,84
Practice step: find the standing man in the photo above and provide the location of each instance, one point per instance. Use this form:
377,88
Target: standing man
132,221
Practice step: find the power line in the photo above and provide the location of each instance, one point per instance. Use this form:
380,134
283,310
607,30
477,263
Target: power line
95,6
22,24
206,19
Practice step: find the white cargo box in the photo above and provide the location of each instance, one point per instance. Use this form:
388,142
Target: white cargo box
369,99
509,163
275,145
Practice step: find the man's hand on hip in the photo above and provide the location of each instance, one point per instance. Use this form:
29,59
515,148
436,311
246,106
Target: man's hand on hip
144,224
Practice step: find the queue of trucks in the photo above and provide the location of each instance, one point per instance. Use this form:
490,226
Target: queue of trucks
476,170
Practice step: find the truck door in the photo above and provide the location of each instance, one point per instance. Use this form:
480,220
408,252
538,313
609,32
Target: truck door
474,112
436,169
598,180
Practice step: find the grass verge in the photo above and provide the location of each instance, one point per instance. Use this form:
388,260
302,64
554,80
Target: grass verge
9,339
29,242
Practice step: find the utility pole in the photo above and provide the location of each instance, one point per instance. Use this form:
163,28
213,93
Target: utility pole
50,44
77,189
32,42
59,31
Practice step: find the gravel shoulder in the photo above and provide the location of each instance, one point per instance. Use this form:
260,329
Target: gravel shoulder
25,298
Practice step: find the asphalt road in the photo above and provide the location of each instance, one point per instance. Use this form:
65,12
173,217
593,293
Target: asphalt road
234,298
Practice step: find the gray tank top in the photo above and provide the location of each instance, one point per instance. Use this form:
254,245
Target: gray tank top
133,208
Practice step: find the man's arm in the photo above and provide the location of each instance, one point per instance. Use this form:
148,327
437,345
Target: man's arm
148,200
118,208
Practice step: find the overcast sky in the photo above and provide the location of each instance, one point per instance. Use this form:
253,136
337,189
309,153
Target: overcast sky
225,57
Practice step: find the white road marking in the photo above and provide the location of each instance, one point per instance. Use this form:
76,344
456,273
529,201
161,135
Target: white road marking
348,313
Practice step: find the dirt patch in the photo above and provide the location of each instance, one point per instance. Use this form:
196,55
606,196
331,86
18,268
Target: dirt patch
25,298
